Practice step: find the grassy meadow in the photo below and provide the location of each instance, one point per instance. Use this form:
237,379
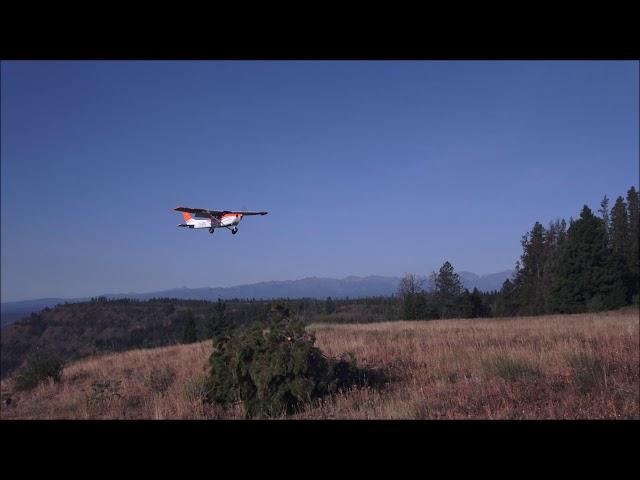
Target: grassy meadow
583,366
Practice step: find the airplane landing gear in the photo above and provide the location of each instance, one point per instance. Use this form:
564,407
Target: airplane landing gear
235,230
211,230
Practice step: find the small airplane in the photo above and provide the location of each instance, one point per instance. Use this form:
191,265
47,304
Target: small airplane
212,219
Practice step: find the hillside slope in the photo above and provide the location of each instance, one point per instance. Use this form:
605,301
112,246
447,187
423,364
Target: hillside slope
78,330
555,367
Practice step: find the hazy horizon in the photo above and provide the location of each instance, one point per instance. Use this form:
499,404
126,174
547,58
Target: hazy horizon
366,168
197,287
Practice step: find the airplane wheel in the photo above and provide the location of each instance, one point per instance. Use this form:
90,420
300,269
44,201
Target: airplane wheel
234,231
211,230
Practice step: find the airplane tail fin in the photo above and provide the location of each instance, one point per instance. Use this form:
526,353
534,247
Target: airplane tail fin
186,216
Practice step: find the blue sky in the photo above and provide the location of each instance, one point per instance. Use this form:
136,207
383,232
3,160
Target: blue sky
365,167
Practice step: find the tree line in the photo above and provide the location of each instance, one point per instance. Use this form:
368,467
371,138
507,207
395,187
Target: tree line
444,298
591,264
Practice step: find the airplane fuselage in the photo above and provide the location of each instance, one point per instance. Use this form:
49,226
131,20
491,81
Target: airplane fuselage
227,220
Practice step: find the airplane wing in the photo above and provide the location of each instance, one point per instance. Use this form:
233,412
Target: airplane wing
250,213
202,212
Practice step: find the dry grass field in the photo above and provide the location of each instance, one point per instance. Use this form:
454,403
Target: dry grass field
551,367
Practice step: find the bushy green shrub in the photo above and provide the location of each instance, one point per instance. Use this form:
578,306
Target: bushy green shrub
275,369
38,368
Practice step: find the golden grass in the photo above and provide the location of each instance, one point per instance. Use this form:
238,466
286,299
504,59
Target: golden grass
550,367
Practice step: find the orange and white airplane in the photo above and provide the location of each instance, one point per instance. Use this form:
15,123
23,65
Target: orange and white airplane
212,219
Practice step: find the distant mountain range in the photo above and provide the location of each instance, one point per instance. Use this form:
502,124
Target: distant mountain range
311,287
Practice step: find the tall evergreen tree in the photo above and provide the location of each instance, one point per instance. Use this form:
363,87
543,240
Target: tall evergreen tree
633,205
556,236
448,291
507,301
581,278
619,228
477,307
217,327
530,274
604,213
618,265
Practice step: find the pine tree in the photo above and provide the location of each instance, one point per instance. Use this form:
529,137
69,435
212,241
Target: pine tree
617,271
633,262
217,327
477,307
556,236
507,301
448,291
530,275
581,278
619,228
604,213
